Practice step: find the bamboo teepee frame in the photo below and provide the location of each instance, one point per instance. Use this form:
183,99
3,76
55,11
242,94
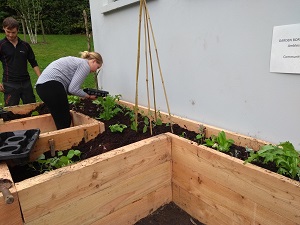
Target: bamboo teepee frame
147,27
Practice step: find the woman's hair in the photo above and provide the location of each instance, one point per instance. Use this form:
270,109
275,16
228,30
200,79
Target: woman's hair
10,23
92,55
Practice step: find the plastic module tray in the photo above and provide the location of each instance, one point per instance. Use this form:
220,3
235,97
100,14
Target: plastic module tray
99,93
17,144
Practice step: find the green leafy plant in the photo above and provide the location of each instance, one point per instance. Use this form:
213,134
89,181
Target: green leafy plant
117,127
219,142
73,100
183,134
200,137
283,155
146,124
145,120
131,115
43,164
35,113
158,120
110,106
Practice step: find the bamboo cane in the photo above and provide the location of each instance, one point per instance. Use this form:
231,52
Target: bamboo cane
147,22
146,57
151,64
160,71
138,62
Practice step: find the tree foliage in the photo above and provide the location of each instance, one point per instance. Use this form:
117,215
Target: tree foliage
58,16
29,12
5,10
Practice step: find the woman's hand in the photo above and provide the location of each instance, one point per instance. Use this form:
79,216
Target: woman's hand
93,97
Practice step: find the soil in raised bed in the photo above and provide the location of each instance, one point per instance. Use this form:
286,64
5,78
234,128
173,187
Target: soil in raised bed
169,214
108,140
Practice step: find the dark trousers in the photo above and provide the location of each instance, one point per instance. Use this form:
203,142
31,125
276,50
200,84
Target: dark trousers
14,91
53,94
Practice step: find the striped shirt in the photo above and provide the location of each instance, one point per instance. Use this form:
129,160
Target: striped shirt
70,71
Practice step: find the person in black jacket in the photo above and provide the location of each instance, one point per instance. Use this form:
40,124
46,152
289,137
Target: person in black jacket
14,54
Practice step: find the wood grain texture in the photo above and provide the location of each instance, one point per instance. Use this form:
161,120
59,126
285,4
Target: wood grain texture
9,213
99,185
271,196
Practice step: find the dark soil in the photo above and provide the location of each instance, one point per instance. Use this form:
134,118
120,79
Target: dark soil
108,140
169,214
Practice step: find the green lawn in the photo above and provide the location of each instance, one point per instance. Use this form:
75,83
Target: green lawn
56,46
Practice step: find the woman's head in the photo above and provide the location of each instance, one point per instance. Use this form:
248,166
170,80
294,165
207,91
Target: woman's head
94,58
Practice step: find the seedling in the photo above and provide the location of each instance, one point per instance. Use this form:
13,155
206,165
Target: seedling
131,115
200,137
183,134
153,122
56,162
158,120
145,120
35,113
134,124
146,124
73,100
283,155
110,106
219,142
117,128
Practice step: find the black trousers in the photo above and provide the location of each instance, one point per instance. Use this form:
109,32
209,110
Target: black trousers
14,91
53,94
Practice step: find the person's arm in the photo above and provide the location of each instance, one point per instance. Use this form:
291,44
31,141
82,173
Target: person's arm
37,70
78,78
1,88
31,59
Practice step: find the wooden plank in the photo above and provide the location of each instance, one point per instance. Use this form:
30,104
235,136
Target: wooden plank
227,206
66,138
205,213
43,122
80,119
115,178
138,209
239,139
23,109
262,186
9,213
120,194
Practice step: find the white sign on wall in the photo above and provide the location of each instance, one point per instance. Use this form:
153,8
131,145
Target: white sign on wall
285,54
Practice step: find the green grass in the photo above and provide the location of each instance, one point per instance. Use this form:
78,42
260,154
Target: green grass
55,46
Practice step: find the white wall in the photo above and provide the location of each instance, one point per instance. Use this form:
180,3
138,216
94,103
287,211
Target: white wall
215,58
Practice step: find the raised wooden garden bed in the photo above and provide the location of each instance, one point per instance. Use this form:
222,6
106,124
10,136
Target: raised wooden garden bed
126,184
50,138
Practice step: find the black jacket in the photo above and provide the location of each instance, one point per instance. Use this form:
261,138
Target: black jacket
14,60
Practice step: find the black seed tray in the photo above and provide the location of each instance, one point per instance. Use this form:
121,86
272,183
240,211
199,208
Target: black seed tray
17,144
96,92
